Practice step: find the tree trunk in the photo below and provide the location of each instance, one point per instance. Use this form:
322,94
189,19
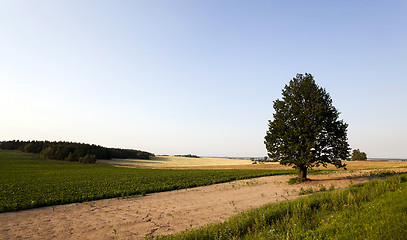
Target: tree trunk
302,173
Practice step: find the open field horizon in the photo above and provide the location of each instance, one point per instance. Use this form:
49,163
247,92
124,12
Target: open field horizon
175,162
152,214
42,182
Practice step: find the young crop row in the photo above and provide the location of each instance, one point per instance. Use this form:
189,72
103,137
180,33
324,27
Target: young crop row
372,210
28,181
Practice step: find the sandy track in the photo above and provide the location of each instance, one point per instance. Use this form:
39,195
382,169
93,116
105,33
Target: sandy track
158,213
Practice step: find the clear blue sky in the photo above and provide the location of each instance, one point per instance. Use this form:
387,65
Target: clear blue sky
200,77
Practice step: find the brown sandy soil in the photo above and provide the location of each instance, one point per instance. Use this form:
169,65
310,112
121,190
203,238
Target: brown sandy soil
159,213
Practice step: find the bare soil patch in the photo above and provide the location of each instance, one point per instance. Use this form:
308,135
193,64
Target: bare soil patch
160,213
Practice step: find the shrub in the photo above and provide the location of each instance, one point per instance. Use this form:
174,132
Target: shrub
88,158
298,180
358,155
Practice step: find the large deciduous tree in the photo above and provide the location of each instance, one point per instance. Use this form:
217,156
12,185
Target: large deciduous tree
306,131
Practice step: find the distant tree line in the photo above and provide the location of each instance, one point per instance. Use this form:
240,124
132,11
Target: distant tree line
263,159
187,155
71,151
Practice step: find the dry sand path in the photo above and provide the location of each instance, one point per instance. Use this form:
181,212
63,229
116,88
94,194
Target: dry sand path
158,213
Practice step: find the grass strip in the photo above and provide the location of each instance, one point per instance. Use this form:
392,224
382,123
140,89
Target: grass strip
29,181
372,210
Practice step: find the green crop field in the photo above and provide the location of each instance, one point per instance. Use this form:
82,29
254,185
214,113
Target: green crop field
29,181
372,210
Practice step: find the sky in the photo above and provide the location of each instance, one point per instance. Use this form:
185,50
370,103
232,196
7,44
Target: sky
199,77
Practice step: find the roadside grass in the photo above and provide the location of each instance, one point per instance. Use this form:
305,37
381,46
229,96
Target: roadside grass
381,173
382,218
372,210
29,181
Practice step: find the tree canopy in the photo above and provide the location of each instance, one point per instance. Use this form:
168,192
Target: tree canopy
305,131
358,155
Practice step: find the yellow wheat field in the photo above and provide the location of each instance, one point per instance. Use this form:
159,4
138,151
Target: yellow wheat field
226,163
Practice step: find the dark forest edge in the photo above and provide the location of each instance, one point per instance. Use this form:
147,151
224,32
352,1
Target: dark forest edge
72,151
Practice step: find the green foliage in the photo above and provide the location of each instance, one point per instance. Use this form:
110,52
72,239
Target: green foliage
322,188
29,181
382,173
297,180
382,218
88,158
305,131
372,210
358,155
306,191
73,152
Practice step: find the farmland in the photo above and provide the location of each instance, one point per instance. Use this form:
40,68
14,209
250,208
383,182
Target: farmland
164,212
173,162
177,162
28,181
372,210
